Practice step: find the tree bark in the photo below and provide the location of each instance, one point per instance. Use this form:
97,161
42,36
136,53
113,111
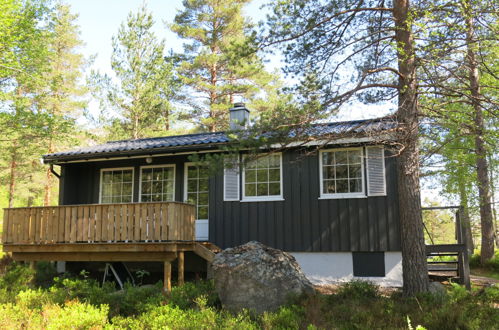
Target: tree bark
13,175
48,178
482,168
415,271
465,218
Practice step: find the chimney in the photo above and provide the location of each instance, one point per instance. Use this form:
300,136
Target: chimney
239,117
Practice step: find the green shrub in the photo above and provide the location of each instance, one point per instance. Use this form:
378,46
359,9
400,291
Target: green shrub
16,279
287,317
185,296
75,315
358,289
45,273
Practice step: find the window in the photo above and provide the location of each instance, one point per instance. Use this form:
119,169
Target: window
157,183
262,178
116,185
342,173
196,183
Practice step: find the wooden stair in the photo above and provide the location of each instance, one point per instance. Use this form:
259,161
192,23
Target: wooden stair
452,269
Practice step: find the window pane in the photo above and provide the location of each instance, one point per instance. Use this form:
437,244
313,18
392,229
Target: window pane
274,161
355,171
250,189
262,175
203,199
274,188
192,185
168,174
127,189
328,172
168,187
146,187
106,177
263,162
106,189
157,174
327,158
342,172
354,156
157,187
340,157
250,175
203,172
156,198
341,186
126,199
203,212
168,197
192,198
106,200
118,176
116,189
192,172
274,175
355,185
117,199
203,184
262,189
250,164
145,198
328,187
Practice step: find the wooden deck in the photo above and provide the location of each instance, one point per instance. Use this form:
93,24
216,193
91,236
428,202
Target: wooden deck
160,232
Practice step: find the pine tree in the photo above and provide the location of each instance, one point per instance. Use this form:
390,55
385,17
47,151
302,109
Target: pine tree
146,86
215,65
62,99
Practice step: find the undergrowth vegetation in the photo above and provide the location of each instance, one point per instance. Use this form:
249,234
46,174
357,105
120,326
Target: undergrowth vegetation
28,300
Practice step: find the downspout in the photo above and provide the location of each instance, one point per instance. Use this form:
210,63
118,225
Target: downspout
57,175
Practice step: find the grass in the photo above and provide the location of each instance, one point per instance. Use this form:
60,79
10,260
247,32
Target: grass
29,300
485,272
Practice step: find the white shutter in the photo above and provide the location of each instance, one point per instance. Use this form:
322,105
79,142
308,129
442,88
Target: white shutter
376,183
231,179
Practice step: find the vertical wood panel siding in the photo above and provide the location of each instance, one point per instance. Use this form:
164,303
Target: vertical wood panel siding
302,222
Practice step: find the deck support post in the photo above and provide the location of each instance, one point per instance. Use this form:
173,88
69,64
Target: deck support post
167,280
181,268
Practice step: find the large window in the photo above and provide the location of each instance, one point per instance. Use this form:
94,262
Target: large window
116,185
262,178
197,182
157,183
342,173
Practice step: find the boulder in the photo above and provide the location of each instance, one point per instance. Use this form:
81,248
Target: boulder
256,277
437,289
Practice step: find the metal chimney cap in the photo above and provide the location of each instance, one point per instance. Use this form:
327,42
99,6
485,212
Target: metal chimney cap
238,105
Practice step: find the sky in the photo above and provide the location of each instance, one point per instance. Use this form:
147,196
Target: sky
99,20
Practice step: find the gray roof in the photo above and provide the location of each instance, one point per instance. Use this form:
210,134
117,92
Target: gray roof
202,141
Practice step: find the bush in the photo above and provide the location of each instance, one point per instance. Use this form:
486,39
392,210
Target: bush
358,289
492,264
185,296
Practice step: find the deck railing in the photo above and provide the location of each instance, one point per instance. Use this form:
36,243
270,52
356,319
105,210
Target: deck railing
99,223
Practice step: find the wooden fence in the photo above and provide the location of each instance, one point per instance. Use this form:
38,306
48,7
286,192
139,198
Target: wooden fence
133,222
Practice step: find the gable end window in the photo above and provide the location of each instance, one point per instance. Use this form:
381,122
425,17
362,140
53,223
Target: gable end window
116,185
262,178
342,173
157,183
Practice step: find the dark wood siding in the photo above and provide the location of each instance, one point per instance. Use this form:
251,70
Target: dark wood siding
305,223
300,223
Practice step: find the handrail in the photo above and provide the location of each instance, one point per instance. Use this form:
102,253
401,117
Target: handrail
89,223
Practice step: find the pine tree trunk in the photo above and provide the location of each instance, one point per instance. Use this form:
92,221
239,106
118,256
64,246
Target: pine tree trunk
13,175
465,218
48,179
415,271
482,168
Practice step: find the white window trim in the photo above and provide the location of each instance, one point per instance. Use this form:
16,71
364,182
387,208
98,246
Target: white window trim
157,166
185,187
273,198
361,194
102,170
238,169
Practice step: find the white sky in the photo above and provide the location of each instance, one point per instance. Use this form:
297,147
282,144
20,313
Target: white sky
99,20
